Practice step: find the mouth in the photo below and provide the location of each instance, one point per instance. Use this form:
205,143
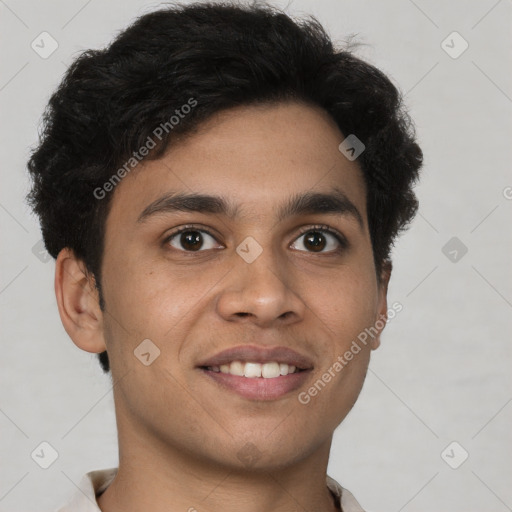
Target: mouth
258,373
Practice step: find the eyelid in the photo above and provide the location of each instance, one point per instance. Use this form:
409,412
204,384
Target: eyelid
342,240
189,227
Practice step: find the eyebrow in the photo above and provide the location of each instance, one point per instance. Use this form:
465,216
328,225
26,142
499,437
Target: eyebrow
307,203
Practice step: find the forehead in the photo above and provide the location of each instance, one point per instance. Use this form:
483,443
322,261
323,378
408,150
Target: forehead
254,156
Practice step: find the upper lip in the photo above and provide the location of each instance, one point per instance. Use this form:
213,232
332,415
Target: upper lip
258,354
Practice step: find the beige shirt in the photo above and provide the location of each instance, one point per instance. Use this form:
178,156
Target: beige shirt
95,482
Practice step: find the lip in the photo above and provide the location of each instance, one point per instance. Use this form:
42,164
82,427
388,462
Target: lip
258,354
259,388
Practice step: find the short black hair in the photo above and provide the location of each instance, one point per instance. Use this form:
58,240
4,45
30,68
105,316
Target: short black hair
220,56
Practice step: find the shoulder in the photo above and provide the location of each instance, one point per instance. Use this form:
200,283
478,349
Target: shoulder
91,485
345,499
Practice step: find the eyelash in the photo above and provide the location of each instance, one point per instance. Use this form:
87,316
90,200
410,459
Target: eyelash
315,228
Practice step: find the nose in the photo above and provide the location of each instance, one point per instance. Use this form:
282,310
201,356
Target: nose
260,292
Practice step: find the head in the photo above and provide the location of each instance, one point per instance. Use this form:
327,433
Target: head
250,107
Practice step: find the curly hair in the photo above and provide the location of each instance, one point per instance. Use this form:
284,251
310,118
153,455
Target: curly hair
223,55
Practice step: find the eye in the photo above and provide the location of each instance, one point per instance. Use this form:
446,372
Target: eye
318,238
191,239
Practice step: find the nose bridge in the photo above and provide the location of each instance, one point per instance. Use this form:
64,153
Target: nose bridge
258,286
260,268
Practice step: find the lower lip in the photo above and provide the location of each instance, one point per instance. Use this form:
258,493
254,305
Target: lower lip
259,388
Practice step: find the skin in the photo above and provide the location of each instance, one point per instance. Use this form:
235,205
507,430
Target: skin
179,433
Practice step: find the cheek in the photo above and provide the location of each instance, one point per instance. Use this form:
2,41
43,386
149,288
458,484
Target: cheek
346,305
155,302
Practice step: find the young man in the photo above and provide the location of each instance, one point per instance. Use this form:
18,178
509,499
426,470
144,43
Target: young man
220,188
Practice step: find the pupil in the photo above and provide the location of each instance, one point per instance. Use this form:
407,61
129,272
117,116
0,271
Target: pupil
316,240
190,239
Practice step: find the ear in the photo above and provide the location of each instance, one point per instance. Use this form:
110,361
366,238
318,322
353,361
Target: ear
382,303
78,302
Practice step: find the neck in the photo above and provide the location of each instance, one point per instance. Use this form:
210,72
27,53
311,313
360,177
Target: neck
163,478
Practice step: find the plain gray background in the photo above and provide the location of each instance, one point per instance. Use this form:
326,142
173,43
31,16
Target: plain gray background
442,373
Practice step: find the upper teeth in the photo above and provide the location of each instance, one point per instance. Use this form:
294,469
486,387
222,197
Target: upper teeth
266,370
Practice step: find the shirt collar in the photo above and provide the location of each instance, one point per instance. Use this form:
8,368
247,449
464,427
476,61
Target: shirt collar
95,482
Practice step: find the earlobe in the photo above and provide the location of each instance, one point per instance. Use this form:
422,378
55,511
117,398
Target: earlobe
78,302
382,309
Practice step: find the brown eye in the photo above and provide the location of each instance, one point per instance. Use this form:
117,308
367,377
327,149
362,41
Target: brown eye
314,241
320,240
191,240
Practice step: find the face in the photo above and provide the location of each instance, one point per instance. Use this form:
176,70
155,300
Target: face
256,273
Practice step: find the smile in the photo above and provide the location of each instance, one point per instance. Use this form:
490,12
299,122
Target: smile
270,370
